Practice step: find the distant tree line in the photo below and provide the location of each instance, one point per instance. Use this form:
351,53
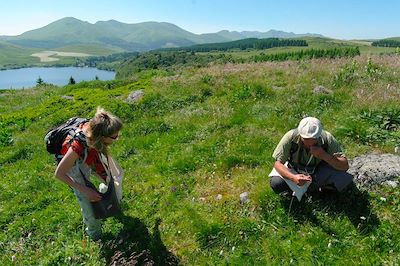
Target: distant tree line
166,60
387,43
250,43
92,61
308,54
107,62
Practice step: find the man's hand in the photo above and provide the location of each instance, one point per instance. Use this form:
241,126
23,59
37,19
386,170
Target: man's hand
337,162
318,152
301,179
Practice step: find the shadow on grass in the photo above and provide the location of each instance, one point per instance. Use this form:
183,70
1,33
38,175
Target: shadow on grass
134,245
353,203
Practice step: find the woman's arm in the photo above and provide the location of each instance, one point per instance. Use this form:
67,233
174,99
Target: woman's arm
65,166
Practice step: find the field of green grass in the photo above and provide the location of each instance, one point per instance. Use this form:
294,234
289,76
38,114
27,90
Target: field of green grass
197,140
11,55
93,49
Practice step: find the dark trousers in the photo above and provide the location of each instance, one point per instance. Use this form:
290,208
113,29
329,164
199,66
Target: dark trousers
324,175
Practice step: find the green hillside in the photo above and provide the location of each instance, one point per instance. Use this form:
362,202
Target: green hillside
128,37
94,49
12,55
199,138
66,30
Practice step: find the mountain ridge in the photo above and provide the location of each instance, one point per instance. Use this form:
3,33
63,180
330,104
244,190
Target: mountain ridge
141,36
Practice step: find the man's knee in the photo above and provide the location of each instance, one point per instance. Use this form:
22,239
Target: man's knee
278,185
343,181
327,175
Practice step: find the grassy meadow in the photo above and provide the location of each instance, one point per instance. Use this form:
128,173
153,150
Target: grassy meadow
198,139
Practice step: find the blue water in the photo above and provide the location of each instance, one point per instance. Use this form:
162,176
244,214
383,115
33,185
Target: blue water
26,77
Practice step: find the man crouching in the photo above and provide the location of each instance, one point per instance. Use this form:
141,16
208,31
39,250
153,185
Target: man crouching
309,156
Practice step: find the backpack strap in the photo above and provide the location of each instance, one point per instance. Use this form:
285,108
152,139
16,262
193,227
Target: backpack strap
294,147
106,167
76,134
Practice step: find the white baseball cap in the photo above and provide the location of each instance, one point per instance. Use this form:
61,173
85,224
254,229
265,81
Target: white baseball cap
310,128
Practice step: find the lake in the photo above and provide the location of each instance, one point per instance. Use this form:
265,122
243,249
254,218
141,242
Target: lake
26,77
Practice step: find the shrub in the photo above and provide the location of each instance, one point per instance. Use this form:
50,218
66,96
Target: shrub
5,135
373,127
346,75
387,119
373,70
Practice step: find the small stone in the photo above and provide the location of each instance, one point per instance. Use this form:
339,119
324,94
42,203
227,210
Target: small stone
221,252
244,197
219,197
13,258
397,149
135,96
322,90
67,97
120,241
277,88
202,199
363,218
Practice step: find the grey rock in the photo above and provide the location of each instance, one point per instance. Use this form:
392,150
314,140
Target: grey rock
67,97
277,88
135,96
322,90
244,197
370,170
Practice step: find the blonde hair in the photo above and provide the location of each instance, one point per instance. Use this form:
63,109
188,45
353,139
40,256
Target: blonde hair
103,124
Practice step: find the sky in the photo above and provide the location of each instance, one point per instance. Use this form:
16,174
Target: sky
340,19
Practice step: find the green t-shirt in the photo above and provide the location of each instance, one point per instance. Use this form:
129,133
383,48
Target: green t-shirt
302,158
